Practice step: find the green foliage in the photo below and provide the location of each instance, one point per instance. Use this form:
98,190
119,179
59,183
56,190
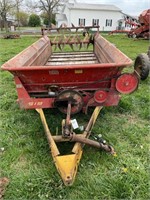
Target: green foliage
26,159
46,19
23,18
34,20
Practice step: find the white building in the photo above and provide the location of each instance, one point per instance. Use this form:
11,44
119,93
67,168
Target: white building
83,14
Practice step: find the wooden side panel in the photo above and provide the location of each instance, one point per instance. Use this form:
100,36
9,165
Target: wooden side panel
108,53
35,55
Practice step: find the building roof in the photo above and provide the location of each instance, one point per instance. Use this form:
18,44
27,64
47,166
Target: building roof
86,6
131,16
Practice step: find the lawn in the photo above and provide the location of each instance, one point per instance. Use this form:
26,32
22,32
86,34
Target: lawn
25,157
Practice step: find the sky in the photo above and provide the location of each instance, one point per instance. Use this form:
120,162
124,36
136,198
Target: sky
131,7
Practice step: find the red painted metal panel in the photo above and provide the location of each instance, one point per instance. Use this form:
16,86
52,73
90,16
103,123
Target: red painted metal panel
89,78
38,85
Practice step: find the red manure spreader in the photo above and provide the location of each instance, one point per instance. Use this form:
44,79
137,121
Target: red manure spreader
71,81
142,30
139,29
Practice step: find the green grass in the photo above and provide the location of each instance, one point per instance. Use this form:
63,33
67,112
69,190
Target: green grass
26,158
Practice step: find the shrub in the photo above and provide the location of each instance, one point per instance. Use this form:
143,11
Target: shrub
34,20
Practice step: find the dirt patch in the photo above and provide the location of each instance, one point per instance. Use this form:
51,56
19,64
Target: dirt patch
3,184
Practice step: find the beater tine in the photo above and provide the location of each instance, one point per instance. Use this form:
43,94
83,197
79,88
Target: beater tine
55,47
87,45
80,46
71,45
59,46
91,39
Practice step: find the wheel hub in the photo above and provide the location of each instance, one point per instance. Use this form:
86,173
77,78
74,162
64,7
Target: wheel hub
67,96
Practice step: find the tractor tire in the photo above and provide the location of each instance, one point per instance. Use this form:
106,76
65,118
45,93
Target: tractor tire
142,65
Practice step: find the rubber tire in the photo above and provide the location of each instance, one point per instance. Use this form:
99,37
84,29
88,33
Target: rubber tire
142,65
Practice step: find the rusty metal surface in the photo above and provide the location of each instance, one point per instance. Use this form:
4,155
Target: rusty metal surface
72,96
69,28
108,53
74,37
83,140
43,74
35,55
77,85
76,58
142,30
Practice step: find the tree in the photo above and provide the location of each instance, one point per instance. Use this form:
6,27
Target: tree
34,20
44,16
5,8
18,2
49,7
23,18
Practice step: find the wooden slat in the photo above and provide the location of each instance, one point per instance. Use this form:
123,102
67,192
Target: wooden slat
64,59
72,58
72,55
71,62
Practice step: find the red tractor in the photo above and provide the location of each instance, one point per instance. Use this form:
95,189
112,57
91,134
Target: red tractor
143,27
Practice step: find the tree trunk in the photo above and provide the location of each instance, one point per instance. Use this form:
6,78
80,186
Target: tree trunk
49,20
1,23
18,16
5,23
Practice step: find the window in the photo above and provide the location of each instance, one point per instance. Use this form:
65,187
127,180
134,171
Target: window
95,22
108,22
81,22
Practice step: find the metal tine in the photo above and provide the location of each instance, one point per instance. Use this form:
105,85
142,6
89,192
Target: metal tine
62,46
68,38
73,39
86,37
55,47
58,30
65,41
76,30
55,38
69,29
88,44
91,39
59,43
71,45
59,46
72,25
76,41
79,40
80,46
